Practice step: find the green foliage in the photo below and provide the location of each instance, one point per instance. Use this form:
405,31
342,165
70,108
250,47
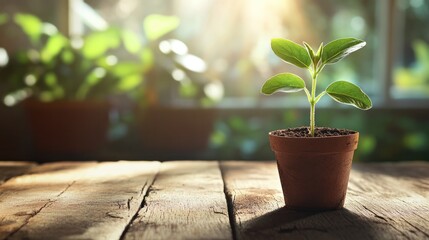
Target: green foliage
110,61
131,41
98,43
340,48
31,25
284,82
188,89
130,82
156,26
415,77
104,63
291,52
348,93
305,57
53,47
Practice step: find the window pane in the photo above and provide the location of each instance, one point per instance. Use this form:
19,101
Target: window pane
411,70
233,38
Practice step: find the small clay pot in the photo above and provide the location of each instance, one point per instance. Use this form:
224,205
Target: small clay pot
175,130
314,171
67,129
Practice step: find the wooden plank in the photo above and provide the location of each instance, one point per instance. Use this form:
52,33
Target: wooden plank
253,190
412,176
25,196
393,195
74,200
9,169
186,201
379,205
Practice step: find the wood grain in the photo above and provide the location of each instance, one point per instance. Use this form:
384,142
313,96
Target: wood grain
9,169
394,196
194,200
74,200
186,201
253,189
383,202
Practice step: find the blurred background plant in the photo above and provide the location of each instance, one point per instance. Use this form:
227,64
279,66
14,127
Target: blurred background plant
54,67
414,77
107,62
134,57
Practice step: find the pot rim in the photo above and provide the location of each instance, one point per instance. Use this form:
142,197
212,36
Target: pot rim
329,144
270,133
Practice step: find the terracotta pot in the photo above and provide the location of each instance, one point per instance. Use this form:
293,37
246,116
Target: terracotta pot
175,131
314,172
14,142
67,129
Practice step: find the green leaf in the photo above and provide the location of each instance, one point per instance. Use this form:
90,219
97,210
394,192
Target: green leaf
30,24
291,52
51,79
188,89
131,41
67,56
340,48
147,59
53,47
98,43
319,53
310,51
95,76
124,69
320,50
156,26
348,93
283,82
130,82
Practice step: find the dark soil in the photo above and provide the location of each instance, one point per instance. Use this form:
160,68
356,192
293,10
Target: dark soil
303,132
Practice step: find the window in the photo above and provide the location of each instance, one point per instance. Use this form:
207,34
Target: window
233,38
411,44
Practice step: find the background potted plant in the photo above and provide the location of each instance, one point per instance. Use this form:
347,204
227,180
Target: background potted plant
170,119
176,118
314,162
66,84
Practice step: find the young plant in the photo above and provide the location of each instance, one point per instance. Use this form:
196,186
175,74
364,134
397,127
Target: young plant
304,57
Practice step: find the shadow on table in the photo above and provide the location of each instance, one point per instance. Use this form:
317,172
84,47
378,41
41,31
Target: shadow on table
313,224
277,218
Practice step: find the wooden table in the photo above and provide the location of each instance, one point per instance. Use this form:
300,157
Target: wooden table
202,200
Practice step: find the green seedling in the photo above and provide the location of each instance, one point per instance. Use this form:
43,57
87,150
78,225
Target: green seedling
304,57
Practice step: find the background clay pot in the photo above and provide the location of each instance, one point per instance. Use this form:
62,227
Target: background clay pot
67,129
314,172
172,132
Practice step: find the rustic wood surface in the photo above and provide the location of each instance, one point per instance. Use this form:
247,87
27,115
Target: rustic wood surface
384,201
9,169
185,202
394,197
253,190
74,200
202,200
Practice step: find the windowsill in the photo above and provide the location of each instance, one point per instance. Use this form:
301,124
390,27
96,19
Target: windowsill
301,103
